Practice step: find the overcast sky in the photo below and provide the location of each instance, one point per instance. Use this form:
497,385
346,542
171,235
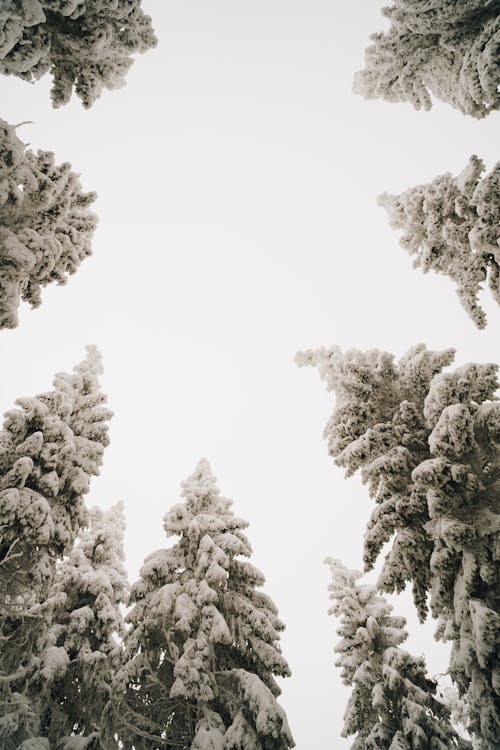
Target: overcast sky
237,178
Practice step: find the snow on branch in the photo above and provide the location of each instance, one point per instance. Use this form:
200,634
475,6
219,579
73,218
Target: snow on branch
443,47
452,226
85,44
46,226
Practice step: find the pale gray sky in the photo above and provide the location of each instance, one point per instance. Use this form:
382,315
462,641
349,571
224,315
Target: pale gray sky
237,177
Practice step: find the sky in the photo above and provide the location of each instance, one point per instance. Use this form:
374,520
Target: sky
237,177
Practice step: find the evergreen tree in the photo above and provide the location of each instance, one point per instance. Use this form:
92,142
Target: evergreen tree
202,651
459,711
85,44
393,703
50,447
427,444
452,226
83,644
45,223
443,47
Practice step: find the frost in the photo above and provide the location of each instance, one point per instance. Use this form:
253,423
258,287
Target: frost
97,37
452,226
440,46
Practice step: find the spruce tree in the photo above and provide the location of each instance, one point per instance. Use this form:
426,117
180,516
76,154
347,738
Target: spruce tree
82,647
443,47
393,702
84,44
452,226
46,227
427,443
50,447
202,652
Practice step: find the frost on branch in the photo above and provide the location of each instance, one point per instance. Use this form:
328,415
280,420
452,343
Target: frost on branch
203,649
427,444
393,703
46,227
443,47
452,226
50,447
84,44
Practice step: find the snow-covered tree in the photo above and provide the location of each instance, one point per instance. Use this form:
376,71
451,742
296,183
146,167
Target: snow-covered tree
427,443
202,651
46,227
85,44
393,704
82,647
459,711
443,47
50,447
452,226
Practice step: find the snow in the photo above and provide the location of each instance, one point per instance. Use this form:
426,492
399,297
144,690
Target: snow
55,662
197,611
209,732
33,46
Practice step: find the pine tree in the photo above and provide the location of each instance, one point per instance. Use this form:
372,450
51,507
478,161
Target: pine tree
83,644
393,703
459,711
452,226
50,447
203,648
45,223
427,444
443,47
85,44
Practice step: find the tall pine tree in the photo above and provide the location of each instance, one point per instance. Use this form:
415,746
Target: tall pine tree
50,447
393,705
202,652
443,47
452,226
82,648
46,227
427,443
84,45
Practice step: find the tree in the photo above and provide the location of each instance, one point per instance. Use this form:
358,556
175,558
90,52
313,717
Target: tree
441,47
427,443
202,651
459,711
393,703
83,644
50,447
46,227
85,44
452,226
